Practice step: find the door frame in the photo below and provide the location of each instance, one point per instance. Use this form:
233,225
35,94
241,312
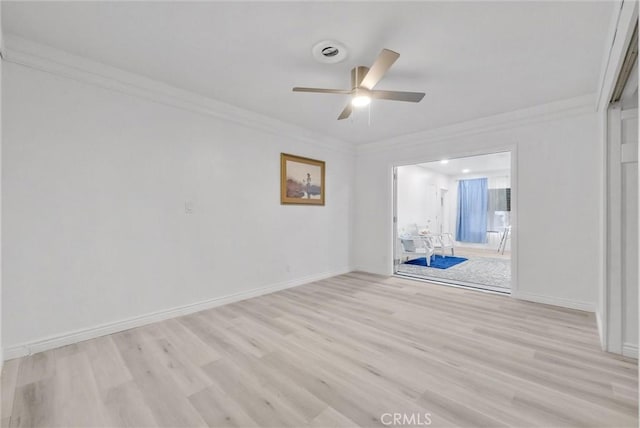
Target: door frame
623,24
613,329
511,148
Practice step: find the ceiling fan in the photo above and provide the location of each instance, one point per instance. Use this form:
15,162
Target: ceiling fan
363,80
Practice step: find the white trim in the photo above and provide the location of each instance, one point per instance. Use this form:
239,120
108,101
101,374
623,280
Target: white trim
394,219
555,301
546,112
609,305
471,287
628,153
56,341
613,247
630,350
600,326
514,220
44,58
602,311
631,113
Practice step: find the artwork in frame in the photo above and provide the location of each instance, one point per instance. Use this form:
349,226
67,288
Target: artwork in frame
301,180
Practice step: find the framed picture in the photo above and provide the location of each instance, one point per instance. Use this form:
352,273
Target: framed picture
301,180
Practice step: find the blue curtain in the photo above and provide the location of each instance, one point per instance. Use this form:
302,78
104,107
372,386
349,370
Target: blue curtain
471,224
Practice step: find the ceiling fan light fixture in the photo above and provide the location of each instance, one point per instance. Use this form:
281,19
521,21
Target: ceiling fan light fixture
361,101
361,97
363,79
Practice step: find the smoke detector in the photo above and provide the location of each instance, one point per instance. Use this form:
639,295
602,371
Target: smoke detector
329,52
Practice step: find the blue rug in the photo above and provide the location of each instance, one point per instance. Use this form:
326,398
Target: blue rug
437,262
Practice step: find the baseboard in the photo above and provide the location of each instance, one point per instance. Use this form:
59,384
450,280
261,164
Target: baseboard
76,336
555,301
371,269
630,350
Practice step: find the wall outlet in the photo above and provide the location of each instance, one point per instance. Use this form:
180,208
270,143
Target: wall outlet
188,207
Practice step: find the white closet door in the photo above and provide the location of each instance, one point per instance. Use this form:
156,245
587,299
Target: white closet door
622,230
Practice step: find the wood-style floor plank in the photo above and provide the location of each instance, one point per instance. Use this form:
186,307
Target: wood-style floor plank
8,380
340,352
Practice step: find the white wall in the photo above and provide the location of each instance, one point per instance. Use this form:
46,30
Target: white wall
418,188
1,66
94,189
556,189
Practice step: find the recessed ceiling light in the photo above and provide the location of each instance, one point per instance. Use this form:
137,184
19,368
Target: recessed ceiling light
444,161
329,52
464,171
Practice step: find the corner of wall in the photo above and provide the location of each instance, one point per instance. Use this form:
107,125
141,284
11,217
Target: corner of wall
1,60
630,350
555,301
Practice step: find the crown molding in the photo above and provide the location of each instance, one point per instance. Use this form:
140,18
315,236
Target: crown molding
51,60
576,106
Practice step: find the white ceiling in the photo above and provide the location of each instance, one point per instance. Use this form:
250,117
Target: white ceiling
475,164
473,59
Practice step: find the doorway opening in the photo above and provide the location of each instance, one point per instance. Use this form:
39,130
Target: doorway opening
453,221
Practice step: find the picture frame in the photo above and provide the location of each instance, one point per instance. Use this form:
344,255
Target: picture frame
301,180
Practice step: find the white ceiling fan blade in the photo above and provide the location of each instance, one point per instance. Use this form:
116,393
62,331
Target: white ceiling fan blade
346,112
384,61
412,97
322,91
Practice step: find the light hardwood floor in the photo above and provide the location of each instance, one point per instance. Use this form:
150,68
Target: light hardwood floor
336,353
481,252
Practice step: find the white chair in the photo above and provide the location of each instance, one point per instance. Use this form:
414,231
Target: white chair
416,246
411,230
444,243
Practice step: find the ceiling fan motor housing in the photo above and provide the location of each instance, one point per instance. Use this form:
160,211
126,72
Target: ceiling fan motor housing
357,74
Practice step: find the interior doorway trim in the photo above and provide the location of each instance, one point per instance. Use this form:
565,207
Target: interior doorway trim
454,154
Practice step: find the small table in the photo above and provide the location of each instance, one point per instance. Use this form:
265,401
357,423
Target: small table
503,240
